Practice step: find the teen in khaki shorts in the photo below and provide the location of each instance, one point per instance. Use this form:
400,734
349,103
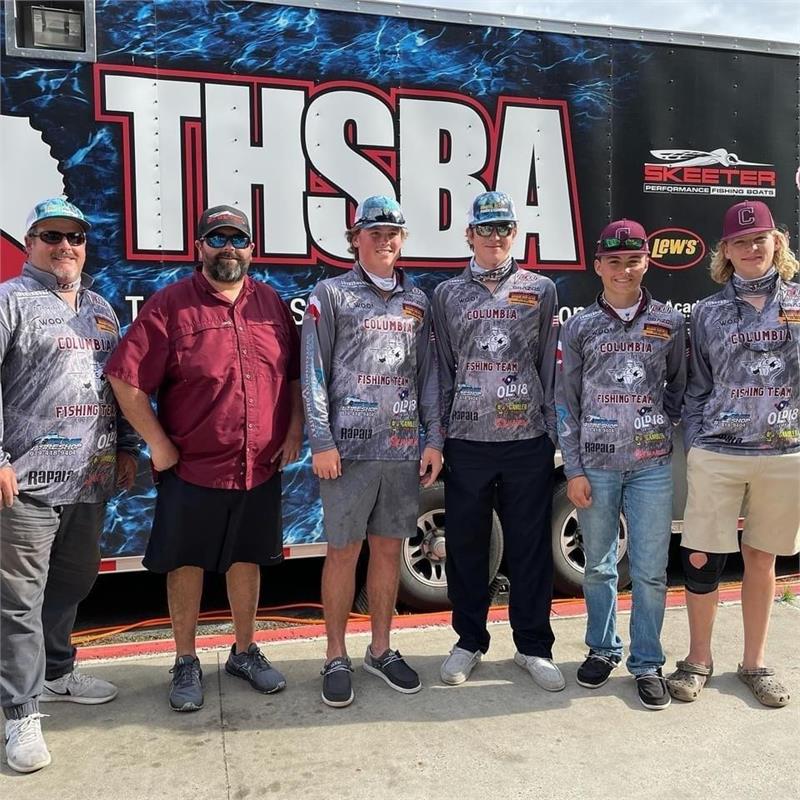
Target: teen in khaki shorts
742,427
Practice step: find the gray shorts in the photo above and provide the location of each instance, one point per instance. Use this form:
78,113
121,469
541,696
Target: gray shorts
379,498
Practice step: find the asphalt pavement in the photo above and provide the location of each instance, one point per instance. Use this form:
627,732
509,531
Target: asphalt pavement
497,736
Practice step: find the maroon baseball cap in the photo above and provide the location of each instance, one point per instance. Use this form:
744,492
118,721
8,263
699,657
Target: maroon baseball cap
222,217
622,236
742,219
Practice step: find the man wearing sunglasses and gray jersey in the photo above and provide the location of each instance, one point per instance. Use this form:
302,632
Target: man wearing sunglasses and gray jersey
618,393
495,329
64,451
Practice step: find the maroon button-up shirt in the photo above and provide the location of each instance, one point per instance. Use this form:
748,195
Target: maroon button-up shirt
220,371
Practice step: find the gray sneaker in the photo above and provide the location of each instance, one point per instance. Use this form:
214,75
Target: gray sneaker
25,747
456,668
186,689
76,687
544,672
254,667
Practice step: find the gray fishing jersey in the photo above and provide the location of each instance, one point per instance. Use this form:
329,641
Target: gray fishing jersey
743,394
496,353
619,387
59,427
368,369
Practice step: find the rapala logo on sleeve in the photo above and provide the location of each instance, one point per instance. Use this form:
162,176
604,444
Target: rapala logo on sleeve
676,248
296,154
715,172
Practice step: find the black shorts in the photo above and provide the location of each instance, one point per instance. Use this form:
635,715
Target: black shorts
195,526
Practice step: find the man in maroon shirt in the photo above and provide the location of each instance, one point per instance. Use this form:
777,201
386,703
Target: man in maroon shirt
220,352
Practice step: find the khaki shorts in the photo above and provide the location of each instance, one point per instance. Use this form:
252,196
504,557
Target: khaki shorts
378,498
769,487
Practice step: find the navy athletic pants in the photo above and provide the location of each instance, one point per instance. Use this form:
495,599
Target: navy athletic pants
518,477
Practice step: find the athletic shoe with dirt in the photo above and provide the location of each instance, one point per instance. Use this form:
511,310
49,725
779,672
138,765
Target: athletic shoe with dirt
458,666
391,666
255,668
76,687
596,670
337,684
25,747
186,689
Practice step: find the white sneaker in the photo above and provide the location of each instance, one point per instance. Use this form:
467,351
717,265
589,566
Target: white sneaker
25,747
456,668
75,687
544,672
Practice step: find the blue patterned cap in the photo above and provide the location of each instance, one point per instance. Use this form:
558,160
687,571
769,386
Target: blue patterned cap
492,207
379,210
56,208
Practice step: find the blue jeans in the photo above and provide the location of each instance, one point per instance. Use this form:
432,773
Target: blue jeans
645,495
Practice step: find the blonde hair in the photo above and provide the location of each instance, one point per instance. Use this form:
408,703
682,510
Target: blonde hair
351,232
784,260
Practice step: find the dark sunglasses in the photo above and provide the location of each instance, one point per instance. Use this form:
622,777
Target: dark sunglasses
503,229
633,243
218,240
55,237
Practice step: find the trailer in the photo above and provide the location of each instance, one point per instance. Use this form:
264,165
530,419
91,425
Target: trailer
143,113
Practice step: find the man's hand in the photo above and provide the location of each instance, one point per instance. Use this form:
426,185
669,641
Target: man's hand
579,491
164,455
326,465
430,465
289,451
126,469
8,486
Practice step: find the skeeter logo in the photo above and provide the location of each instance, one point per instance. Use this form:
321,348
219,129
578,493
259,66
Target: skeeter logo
676,248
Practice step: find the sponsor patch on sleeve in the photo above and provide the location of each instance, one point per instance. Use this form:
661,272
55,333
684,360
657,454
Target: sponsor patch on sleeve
657,331
524,298
791,315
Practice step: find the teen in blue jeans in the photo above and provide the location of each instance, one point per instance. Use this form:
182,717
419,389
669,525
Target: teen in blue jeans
618,394
645,497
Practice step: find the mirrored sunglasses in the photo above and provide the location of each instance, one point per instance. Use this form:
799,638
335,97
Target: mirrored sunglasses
501,229
219,240
633,243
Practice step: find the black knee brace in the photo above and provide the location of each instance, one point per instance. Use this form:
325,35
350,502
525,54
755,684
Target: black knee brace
705,579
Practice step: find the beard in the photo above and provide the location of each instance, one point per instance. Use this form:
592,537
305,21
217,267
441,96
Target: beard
228,269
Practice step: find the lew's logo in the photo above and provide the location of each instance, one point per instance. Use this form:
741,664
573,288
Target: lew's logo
676,248
716,172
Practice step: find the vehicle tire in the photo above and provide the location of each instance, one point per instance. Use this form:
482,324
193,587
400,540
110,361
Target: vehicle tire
569,560
423,584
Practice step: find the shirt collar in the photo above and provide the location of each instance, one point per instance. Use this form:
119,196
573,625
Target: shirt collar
466,273
361,274
48,280
205,285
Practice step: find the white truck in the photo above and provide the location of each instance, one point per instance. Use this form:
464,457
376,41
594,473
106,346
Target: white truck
145,112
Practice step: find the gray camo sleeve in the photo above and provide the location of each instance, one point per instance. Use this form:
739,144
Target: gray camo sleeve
445,358
700,382
428,385
546,362
318,337
569,379
676,375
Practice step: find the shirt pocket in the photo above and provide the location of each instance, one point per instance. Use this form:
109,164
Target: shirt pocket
271,345
205,352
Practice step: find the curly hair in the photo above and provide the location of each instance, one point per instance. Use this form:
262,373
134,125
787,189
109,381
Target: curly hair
785,260
351,232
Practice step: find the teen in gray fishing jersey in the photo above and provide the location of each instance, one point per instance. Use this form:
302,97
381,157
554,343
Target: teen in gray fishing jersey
618,393
496,340
369,390
742,423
